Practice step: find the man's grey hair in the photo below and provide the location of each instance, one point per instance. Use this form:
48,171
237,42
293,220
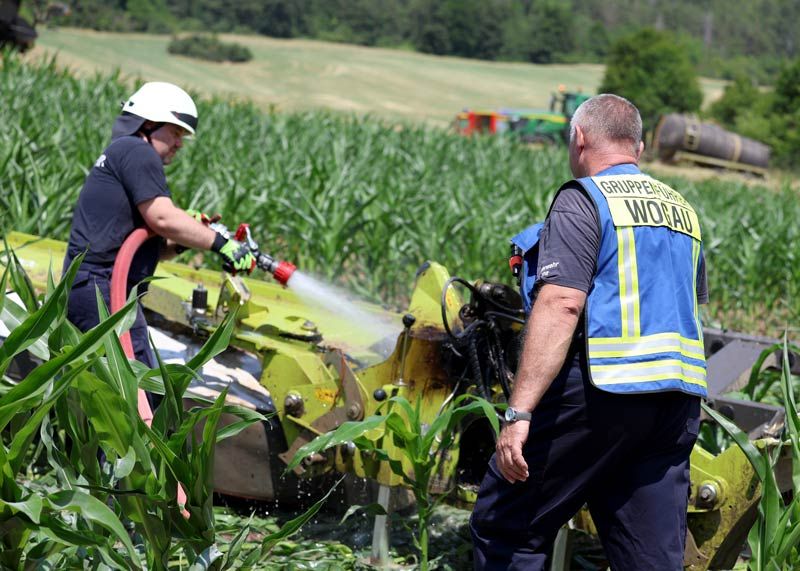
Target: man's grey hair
610,118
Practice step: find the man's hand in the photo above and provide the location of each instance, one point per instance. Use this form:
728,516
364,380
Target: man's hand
202,217
236,257
508,455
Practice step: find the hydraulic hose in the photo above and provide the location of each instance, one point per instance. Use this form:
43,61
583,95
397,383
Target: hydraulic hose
119,283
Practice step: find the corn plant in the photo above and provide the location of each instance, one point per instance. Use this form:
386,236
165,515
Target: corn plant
775,537
419,444
112,478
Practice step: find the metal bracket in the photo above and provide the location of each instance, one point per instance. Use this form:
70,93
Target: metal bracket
353,408
232,293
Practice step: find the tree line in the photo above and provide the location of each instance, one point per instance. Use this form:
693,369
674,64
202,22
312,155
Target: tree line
719,35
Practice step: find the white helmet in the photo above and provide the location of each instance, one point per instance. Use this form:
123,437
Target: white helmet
162,102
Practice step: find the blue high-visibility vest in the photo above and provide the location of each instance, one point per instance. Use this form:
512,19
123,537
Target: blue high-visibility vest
643,330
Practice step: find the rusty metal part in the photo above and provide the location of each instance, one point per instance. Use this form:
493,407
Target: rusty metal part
692,557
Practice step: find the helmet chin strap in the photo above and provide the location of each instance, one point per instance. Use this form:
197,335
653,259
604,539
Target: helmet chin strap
147,132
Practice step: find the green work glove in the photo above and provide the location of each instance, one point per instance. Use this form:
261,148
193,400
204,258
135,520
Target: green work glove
202,217
236,256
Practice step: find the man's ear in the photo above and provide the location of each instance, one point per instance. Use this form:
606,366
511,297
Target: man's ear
640,150
580,138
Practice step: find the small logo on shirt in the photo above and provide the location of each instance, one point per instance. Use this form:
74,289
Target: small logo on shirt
101,161
545,270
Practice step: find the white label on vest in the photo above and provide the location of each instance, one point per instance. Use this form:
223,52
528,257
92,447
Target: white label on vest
638,200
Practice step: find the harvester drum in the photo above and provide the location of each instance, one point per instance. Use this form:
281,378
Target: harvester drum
686,137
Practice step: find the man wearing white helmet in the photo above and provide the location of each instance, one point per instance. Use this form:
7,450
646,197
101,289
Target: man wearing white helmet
126,189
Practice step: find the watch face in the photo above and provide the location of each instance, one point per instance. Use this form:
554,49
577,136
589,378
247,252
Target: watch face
511,414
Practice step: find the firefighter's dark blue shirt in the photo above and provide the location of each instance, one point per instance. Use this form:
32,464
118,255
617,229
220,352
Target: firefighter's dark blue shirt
127,173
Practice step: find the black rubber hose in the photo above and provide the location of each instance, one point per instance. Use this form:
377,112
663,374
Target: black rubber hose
475,365
506,312
503,371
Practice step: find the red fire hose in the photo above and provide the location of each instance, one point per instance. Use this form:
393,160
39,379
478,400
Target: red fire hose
119,282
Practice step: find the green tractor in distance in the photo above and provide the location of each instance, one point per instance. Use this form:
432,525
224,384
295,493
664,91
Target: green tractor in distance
528,125
549,127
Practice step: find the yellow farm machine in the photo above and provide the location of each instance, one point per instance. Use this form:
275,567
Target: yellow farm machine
311,370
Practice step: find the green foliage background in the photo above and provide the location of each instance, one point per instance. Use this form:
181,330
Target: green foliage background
363,203
652,70
723,38
772,117
209,48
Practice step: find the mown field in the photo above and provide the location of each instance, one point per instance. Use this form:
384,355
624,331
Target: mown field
302,75
364,203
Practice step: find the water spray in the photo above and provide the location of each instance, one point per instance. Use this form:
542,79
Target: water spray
314,292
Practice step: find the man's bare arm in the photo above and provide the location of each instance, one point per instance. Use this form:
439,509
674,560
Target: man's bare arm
550,330
549,334
169,221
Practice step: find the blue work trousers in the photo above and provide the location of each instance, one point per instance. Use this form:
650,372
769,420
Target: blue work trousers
82,310
626,456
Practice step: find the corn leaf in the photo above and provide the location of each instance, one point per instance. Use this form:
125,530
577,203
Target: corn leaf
236,544
121,371
23,438
12,316
752,388
347,432
791,537
108,413
757,460
41,320
249,417
178,467
217,342
31,507
170,412
34,384
124,465
203,458
94,511
20,281
206,559
292,526
449,419
792,419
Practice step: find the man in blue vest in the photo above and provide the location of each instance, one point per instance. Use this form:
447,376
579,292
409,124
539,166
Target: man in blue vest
606,400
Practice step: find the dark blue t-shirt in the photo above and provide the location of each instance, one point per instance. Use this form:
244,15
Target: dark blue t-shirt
127,173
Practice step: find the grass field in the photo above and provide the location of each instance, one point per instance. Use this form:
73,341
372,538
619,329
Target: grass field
304,74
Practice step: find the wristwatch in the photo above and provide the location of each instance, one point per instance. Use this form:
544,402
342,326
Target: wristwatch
513,415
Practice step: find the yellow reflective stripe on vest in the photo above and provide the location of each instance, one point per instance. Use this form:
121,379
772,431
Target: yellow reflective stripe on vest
695,264
603,347
628,273
661,370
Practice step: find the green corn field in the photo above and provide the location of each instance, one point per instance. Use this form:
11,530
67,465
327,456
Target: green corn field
364,203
